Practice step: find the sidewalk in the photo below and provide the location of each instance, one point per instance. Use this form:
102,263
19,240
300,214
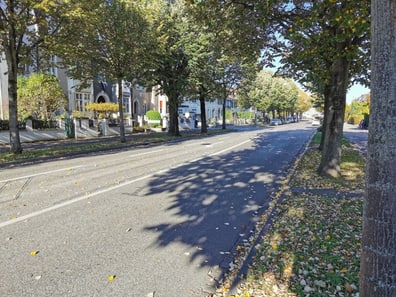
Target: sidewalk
33,136
57,137
35,139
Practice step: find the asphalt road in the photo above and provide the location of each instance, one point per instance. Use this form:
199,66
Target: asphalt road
163,220
358,137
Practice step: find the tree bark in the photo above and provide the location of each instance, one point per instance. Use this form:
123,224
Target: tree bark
204,128
333,127
12,64
173,129
223,111
121,111
378,258
326,95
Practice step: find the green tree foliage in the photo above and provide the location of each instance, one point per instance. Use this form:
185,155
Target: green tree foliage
239,25
26,28
273,94
40,96
358,109
324,45
224,53
204,65
171,70
113,43
304,102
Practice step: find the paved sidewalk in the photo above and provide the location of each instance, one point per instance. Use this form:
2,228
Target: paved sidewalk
33,136
52,138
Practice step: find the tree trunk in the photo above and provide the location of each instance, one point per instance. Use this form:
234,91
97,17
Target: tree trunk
224,114
333,129
121,111
204,128
12,64
378,258
326,95
173,129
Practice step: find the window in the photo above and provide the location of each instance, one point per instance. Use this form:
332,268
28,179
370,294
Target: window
126,102
53,69
81,100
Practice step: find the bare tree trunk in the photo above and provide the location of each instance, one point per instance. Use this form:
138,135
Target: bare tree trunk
333,128
326,95
204,128
224,114
121,111
173,129
378,258
12,64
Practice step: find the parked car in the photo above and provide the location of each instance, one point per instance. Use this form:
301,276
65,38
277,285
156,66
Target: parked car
315,122
275,122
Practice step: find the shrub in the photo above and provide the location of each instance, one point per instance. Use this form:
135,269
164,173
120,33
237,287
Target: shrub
80,114
102,107
246,115
153,115
138,129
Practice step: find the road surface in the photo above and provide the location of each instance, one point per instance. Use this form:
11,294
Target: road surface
159,221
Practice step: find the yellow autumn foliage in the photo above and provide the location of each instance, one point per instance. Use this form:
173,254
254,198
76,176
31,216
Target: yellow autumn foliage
102,107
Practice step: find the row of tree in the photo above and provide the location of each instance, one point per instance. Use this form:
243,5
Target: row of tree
205,48
154,42
274,95
358,110
199,49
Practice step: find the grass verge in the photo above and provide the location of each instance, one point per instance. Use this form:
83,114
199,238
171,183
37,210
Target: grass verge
312,247
81,147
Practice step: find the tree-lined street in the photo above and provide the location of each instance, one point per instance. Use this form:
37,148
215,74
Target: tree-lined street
163,219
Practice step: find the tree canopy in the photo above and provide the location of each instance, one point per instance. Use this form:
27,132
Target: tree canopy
269,93
199,47
26,29
112,45
40,96
325,46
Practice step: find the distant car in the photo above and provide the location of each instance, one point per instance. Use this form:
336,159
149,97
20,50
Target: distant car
275,122
315,122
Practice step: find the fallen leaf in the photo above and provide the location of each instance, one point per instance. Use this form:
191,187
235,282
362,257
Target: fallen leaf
349,288
111,277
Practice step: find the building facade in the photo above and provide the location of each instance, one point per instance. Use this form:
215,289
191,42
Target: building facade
137,99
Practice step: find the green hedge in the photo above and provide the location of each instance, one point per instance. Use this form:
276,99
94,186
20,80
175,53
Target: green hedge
153,115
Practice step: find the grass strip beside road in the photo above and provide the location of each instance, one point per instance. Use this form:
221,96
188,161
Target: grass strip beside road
80,148
70,147
312,247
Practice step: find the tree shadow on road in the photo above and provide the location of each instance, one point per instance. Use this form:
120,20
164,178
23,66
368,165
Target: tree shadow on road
216,201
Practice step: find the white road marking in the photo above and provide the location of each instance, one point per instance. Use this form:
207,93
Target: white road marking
40,173
66,203
229,148
147,153
77,199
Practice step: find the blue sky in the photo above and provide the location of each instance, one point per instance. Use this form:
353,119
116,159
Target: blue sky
355,92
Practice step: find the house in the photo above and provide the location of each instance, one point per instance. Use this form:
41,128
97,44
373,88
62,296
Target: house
137,99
